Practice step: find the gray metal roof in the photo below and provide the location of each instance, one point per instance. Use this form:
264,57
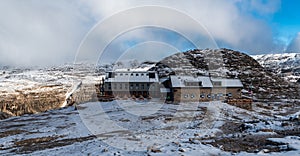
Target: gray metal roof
144,68
179,81
131,77
228,82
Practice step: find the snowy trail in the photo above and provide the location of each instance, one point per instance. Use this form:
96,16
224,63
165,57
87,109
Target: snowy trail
211,116
69,94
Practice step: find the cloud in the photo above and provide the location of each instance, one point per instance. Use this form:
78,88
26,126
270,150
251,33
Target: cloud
294,46
40,33
155,41
49,32
231,22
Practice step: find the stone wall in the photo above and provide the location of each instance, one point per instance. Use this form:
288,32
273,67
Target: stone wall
242,103
190,94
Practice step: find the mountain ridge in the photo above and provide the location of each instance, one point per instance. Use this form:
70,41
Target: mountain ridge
286,65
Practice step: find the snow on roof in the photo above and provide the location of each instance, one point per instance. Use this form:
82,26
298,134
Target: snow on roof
139,74
142,68
164,79
165,90
228,82
179,81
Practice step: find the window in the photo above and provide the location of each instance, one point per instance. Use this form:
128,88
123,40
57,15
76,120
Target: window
110,75
142,74
126,86
192,96
202,96
142,85
131,86
217,83
229,95
137,86
121,74
186,96
151,75
220,94
200,83
121,87
115,86
131,74
109,86
194,83
208,96
136,74
126,74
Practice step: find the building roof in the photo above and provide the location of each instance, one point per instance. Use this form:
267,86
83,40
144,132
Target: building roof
132,77
128,79
129,74
142,68
227,82
179,81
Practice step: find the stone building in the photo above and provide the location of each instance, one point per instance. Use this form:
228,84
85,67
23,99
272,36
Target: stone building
224,88
145,83
204,88
139,82
189,88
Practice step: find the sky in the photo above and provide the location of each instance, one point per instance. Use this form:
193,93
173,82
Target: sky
53,32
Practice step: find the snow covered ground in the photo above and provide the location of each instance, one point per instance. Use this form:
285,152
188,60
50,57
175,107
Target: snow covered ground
153,128
129,127
13,79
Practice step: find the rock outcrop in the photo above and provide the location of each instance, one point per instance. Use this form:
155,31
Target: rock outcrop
25,91
32,101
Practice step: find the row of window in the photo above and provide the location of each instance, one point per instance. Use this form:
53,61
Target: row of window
193,83
113,75
213,96
131,74
126,85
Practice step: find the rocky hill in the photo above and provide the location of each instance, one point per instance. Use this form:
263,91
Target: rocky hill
286,65
229,63
29,91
